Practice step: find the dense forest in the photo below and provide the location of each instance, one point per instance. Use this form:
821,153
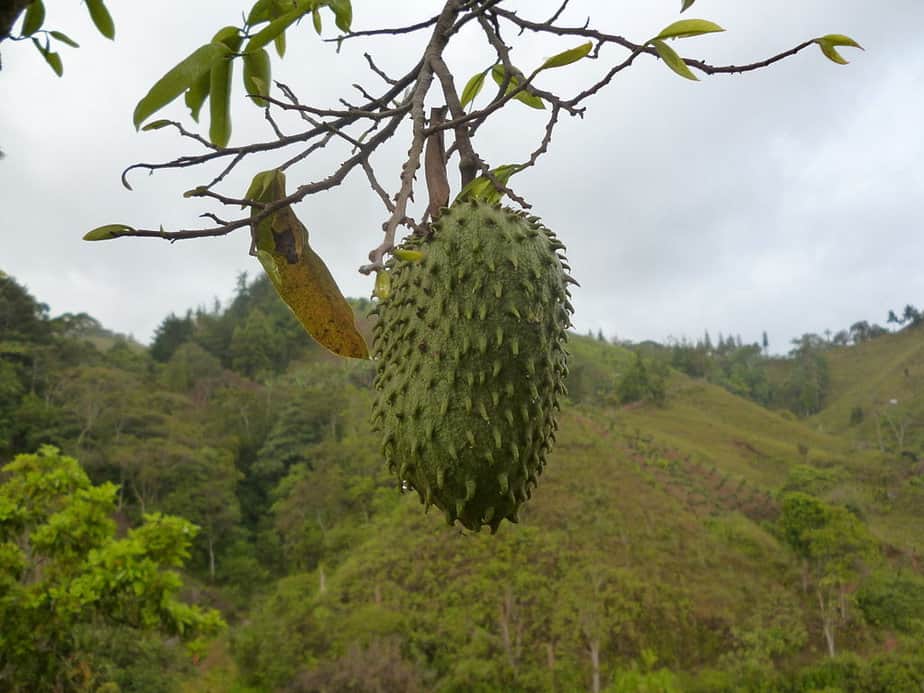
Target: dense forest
213,513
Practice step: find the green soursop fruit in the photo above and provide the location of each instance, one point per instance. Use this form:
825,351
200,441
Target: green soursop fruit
470,347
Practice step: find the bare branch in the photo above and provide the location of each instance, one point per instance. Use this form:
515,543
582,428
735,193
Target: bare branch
438,40
469,161
365,126
303,191
376,186
435,166
375,68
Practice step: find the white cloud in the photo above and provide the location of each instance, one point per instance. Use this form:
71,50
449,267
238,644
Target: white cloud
784,200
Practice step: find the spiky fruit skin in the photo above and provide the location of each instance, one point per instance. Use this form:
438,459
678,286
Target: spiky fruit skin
470,347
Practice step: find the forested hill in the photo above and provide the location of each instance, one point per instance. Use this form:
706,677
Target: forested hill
712,519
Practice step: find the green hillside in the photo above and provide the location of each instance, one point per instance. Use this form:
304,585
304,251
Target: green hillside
681,538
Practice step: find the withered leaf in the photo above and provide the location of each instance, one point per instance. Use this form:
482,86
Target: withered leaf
300,276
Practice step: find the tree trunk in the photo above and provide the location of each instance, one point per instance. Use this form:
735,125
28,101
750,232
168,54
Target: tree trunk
827,624
322,580
879,432
505,621
211,558
550,662
595,664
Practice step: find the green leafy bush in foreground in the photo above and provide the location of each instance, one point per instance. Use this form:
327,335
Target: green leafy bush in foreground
67,583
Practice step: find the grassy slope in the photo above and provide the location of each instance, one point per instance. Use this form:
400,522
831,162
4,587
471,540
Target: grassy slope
870,376
680,494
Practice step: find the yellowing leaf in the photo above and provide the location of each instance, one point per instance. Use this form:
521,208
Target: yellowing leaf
672,60
382,285
688,27
107,232
569,56
300,276
409,255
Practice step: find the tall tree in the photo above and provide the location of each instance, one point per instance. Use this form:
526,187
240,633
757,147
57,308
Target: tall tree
834,546
22,318
169,335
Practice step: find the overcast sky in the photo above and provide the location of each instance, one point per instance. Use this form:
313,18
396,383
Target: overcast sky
787,200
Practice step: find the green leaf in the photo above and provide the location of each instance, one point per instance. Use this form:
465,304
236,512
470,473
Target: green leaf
257,75
52,58
569,56
531,100
261,183
35,17
672,60
841,40
686,4
230,36
181,77
316,19
688,27
107,232
220,103
197,94
260,12
828,45
482,188
64,38
274,29
473,87
101,18
343,12
156,125
280,44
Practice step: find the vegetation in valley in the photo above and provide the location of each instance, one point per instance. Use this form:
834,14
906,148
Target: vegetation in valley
701,530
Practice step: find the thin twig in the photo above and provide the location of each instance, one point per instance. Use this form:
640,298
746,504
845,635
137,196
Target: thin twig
379,118
435,47
375,68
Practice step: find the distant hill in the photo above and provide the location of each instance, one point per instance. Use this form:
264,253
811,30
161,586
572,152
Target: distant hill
654,552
